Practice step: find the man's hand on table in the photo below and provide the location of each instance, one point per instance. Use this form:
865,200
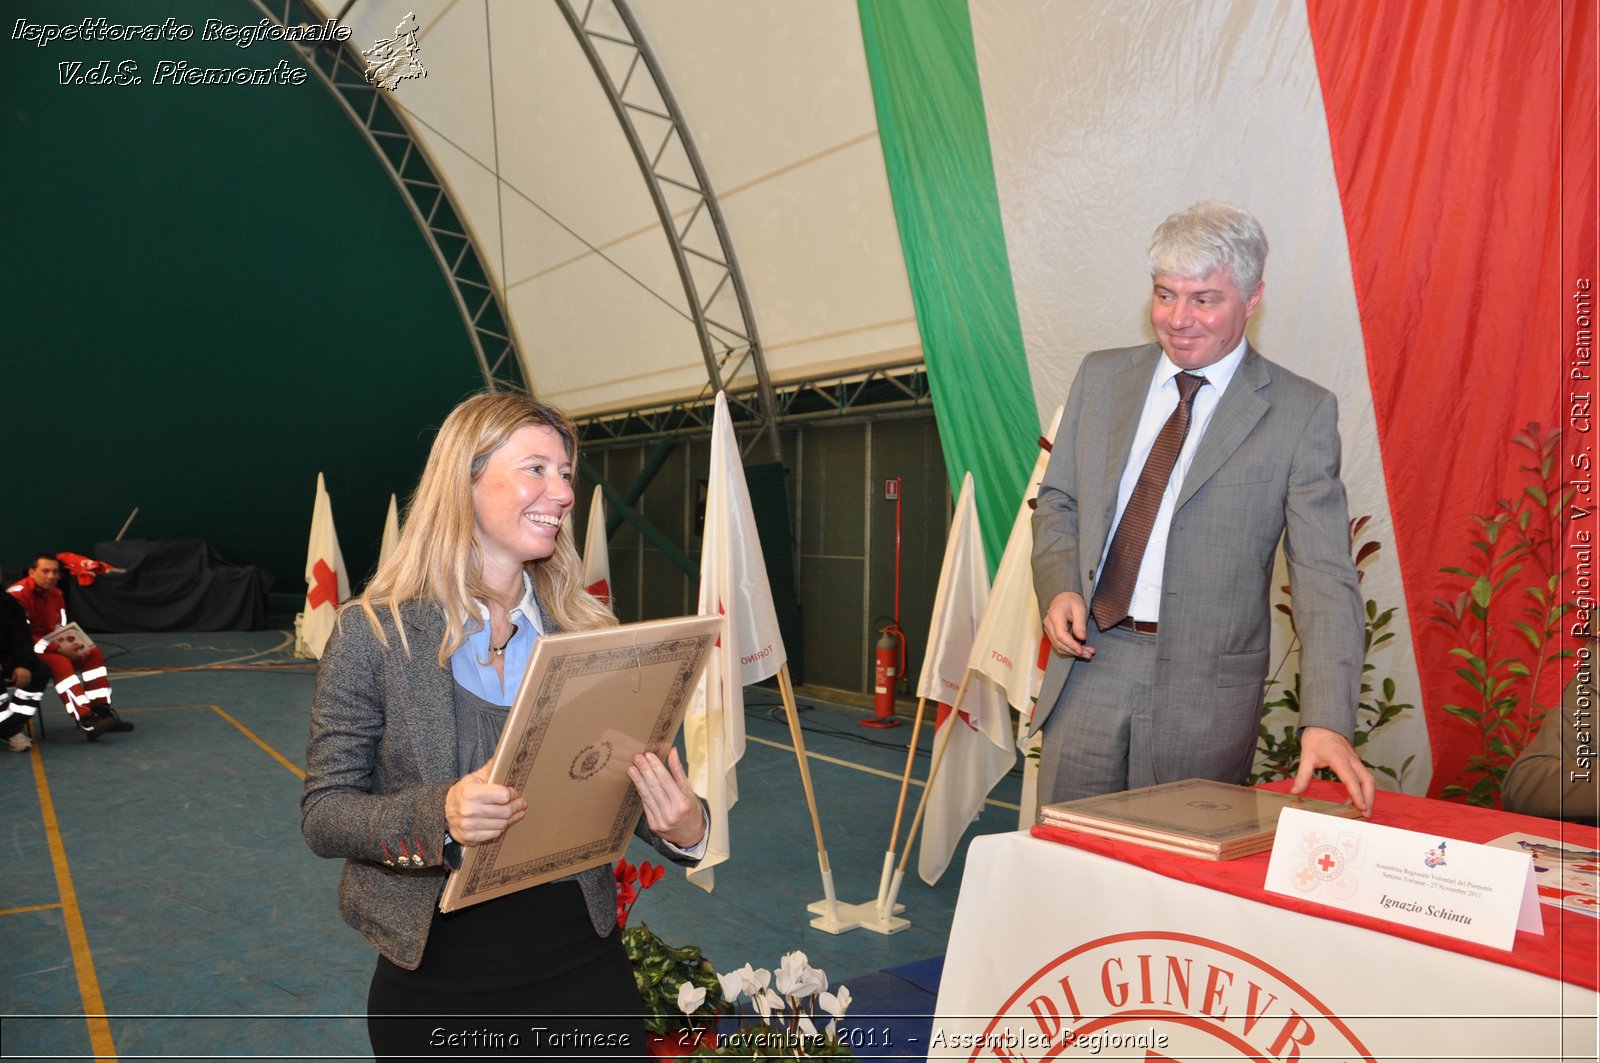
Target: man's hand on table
1322,748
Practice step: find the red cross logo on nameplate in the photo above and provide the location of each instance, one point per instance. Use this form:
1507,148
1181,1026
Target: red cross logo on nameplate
1325,862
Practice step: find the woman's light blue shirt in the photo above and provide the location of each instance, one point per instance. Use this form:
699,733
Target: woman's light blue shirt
471,664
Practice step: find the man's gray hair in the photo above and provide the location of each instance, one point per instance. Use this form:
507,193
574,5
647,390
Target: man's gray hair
1194,242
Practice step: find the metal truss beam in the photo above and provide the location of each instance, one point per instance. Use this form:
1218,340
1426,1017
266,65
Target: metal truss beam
656,131
342,71
892,391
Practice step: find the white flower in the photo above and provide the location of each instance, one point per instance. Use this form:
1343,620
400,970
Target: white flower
690,997
807,1027
767,1002
818,978
836,1004
732,985
794,976
754,980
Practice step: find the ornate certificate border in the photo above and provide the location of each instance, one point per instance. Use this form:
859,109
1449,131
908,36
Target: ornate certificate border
596,674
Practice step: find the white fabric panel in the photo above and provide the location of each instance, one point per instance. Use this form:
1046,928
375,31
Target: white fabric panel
821,257
598,345
1037,919
778,101
1105,117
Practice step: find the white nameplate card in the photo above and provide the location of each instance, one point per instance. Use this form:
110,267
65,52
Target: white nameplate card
1474,892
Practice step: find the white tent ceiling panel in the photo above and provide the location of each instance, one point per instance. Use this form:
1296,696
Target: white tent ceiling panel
457,89
763,85
588,356
821,256
536,244
559,139
455,94
778,102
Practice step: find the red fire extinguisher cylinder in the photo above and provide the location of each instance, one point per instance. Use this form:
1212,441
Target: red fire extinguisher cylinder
885,657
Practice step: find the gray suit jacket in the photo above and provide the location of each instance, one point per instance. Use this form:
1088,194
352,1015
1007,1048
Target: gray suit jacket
381,757
1266,469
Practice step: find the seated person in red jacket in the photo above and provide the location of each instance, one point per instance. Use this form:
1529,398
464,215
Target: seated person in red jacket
80,677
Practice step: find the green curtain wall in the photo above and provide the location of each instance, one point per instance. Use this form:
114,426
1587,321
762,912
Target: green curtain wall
212,293
936,148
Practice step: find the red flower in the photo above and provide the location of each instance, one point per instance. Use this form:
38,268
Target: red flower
626,874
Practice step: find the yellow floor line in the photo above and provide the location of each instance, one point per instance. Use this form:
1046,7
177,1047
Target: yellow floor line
94,1006
279,757
29,908
862,767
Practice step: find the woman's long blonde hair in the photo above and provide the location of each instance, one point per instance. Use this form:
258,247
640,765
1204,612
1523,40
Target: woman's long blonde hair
437,558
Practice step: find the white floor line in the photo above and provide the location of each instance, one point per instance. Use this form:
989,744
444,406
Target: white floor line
286,643
863,768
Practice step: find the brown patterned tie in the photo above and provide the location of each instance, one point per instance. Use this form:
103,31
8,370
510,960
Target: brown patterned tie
1114,588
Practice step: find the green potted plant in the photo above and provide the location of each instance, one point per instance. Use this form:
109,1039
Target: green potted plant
663,972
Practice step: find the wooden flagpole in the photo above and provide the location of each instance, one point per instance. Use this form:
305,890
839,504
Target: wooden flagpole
829,917
899,811
886,906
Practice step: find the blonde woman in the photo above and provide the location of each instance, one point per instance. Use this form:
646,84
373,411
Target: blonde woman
412,691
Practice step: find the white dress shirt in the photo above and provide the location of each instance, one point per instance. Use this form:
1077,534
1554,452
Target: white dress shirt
1159,402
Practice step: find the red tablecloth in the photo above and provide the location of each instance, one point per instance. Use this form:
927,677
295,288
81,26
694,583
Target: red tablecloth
1568,950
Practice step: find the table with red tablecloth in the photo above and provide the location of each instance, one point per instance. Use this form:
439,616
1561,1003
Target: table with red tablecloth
1066,945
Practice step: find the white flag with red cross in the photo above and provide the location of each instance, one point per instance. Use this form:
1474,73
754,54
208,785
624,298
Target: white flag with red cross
596,556
733,582
326,581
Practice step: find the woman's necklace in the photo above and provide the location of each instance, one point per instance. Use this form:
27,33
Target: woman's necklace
498,651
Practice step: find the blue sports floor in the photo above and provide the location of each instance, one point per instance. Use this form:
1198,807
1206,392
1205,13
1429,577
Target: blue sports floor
158,901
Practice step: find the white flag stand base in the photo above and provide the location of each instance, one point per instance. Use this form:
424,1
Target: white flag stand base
846,917
864,915
884,924
302,648
832,917
821,907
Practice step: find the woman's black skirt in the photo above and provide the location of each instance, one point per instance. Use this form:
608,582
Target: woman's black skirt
521,975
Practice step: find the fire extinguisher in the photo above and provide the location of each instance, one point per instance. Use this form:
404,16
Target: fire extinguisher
886,657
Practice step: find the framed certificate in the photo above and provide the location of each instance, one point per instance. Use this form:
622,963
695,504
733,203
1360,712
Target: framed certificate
1195,817
69,639
589,701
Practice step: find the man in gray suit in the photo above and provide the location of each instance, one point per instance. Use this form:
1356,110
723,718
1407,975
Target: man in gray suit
1177,469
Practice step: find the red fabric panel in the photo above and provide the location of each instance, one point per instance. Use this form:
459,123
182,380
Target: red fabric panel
1565,951
1445,122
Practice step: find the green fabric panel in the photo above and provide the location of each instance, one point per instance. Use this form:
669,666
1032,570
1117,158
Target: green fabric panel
936,148
212,293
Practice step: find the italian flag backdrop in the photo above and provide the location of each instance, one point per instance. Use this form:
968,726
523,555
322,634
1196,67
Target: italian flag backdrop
1425,171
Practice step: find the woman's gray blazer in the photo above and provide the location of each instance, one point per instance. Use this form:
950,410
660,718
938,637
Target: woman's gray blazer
381,757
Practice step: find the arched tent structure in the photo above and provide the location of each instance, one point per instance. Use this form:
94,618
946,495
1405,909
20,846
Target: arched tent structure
1399,255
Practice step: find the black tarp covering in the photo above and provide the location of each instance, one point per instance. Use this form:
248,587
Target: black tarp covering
170,585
